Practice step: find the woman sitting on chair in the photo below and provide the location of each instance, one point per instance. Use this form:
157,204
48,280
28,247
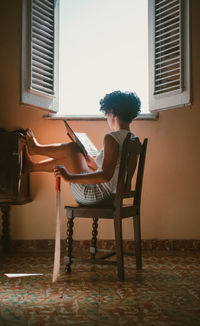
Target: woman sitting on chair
91,182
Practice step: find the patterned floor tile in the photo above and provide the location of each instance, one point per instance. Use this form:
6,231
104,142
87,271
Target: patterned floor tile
166,292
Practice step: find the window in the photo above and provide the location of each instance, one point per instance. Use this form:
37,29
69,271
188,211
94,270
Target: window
103,47
168,52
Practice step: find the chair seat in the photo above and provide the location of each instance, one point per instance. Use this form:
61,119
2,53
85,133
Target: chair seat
100,211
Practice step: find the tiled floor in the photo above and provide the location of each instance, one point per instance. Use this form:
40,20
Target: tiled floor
165,293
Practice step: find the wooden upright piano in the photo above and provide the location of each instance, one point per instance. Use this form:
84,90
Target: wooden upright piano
14,182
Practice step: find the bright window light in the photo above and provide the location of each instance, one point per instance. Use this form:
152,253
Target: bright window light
103,47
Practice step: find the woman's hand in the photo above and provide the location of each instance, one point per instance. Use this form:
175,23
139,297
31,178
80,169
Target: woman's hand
91,163
61,171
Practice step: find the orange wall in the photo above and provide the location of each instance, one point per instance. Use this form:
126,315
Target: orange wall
170,202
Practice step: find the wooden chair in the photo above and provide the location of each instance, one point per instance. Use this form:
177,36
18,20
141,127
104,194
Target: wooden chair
133,156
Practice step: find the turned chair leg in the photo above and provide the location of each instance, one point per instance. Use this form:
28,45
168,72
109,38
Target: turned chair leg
70,224
94,238
137,240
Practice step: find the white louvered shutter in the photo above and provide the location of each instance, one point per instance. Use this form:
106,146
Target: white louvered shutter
42,46
40,77
169,54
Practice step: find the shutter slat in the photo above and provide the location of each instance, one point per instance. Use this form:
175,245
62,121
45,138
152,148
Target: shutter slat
43,55
159,3
42,16
166,44
39,39
48,7
166,89
168,74
48,3
165,4
167,49
42,50
42,82
48,63
167,27
170,6
167,86
42,72
39,31
45,63
42,44
164,78
42,23
40,88
166,62
167,66
167,12
38,76
164,56
175,36
175,14
41,11
42,66
163,34
167,21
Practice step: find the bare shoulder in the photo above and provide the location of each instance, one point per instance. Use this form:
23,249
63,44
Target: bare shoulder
111,150
108,139
111,146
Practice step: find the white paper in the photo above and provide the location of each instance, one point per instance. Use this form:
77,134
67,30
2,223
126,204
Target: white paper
21,274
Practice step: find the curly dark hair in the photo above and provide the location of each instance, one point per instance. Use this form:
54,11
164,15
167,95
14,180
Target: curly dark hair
124,105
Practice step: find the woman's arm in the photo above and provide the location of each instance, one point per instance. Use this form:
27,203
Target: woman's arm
111,149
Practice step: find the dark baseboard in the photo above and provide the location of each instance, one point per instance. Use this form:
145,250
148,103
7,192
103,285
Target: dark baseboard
147,245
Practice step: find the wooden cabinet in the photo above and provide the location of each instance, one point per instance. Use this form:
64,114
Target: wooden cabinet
14,183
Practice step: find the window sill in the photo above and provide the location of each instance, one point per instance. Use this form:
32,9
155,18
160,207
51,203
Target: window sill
142,116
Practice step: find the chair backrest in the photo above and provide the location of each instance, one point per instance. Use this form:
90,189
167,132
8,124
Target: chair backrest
133,156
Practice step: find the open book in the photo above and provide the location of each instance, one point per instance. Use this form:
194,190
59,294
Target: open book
83,141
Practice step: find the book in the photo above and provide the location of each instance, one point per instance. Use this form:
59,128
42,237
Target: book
83,141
